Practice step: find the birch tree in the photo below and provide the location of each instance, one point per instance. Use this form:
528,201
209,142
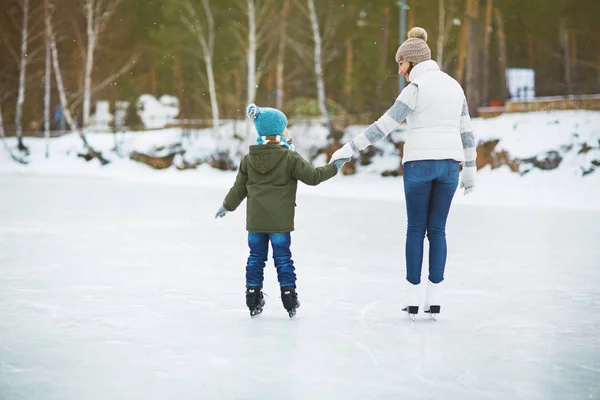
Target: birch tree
61,88
47,87
204,32
252,82
472,72
441,30
259,43
281,53
22,73
489,8
319,64
3,96
98,13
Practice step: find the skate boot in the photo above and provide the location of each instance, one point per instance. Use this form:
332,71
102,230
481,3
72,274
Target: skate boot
411,304
289,298
432,301
254,300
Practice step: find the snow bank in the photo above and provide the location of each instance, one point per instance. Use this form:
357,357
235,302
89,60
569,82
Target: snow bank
522,135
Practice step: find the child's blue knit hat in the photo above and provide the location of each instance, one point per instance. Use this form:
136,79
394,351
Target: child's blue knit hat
267,121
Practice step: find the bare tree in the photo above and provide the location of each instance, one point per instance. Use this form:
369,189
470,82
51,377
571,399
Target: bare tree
473,98
47,87
486,51
319,64
502,59
16,158
252,44
462,44
441,31
565,45
98,13
205,34
61,88
281,53
22,72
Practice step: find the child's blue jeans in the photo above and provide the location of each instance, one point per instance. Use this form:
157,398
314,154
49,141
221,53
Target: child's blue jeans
282,256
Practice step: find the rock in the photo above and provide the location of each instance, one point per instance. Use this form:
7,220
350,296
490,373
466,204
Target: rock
90,155
485,154
588,171
548,161
223,162
584,149
162,162
187,165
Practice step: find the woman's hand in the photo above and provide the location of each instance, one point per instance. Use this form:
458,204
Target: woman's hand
467,179
345,152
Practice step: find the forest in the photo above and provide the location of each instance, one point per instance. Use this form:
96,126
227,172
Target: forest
310,58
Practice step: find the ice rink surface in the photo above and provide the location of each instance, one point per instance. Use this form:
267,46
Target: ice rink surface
121,290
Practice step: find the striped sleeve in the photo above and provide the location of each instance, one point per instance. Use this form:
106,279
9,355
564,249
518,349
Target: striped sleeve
467,136
405,103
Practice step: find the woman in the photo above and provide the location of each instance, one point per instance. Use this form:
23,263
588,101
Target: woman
439,138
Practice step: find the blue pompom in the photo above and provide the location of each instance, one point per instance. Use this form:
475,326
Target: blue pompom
253,111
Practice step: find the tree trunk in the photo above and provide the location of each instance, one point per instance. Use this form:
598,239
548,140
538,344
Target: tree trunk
531,51
462,45
212,89
348,72
486,52
598,63
384,55
177,71
61,88
564,41
89,63
473,82
573,54
3,138
281,54
22,72
319,65
502,59
207,45
441,31
47,87
251,94
153,79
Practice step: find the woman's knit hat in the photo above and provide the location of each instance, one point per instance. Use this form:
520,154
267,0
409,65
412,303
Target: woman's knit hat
415,48
267,121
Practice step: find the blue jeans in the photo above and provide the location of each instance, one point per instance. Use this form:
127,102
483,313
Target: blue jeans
429,187
282,256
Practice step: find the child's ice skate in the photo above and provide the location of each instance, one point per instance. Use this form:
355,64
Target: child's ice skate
289,298
255,300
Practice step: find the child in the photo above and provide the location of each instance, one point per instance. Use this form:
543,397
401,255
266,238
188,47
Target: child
269,177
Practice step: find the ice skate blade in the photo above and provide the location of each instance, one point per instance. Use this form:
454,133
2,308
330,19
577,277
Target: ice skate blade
411,311
434,310
256,312
292,313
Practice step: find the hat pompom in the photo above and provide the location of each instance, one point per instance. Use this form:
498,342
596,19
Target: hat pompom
252,111
418,33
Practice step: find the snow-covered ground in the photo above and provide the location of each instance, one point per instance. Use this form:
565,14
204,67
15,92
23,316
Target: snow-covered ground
522,135
123,289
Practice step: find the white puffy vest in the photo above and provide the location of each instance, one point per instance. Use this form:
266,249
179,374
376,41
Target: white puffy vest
433,126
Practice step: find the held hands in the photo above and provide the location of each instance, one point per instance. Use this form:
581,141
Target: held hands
467,179
343,153
339,163
221,213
